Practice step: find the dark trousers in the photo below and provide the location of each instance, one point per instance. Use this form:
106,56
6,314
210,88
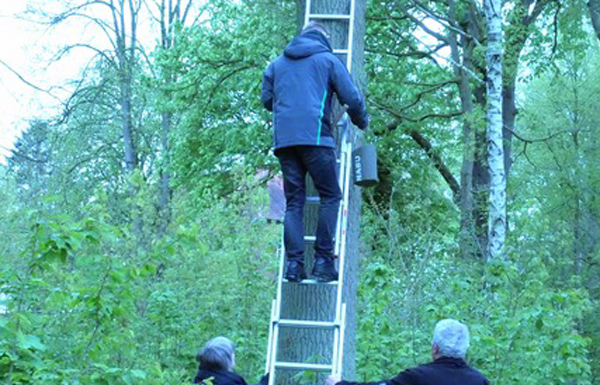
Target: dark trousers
320,163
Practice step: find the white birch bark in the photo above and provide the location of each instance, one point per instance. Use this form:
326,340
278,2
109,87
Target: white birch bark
497,198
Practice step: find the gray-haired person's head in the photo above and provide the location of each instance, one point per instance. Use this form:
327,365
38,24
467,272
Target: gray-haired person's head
316,26
451,338
218,353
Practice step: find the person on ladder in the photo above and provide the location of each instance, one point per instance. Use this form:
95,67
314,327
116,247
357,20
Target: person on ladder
298,88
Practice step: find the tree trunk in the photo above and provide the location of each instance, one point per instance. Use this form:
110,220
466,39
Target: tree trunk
131,158
497,210
164,209
463,70
317,302
171,13
594,8
125,55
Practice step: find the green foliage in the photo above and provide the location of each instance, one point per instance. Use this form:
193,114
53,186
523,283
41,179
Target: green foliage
84,308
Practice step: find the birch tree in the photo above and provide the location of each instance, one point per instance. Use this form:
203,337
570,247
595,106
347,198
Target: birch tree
461,27
497,199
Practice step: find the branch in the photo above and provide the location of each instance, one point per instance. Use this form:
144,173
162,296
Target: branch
453,81
424,27
435,158
454,62
73,11
525,140
418,54
67,49
445,22
422,93
402,117
227,76
28,82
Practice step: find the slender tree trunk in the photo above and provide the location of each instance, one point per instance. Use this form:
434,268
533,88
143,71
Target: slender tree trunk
463,70
125,55
594,8
131,158
497,211
172,13
481,178
164,208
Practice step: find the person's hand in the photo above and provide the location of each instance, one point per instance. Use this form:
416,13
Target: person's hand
332,380
264,380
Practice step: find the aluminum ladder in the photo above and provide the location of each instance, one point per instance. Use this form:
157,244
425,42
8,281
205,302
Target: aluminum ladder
344,179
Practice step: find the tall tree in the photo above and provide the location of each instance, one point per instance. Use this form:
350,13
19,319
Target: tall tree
172,17
497,211
461,27
120,29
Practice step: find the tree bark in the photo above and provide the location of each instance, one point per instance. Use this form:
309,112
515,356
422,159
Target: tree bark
497,196
125,54
594,8
463,68
164,208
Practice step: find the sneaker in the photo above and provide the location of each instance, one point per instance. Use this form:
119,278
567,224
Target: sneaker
324,270
294,271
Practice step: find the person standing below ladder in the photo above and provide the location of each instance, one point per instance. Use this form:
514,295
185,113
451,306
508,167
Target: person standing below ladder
298,88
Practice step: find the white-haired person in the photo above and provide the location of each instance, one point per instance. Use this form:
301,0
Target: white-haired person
216,362
448,349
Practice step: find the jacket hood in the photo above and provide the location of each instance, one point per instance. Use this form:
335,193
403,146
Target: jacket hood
307,44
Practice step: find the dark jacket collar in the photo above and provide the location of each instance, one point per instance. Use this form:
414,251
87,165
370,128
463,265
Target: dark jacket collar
221,376
307,44
451,361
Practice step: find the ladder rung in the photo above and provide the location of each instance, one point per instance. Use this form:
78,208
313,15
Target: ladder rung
340,51
324,16
307,324
301,366
311,282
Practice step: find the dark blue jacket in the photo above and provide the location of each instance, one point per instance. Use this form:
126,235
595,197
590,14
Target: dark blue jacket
443,371
219,376
298,87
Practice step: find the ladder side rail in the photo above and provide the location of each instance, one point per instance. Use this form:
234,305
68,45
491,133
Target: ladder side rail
340,360
280,280
350,36
272,374
276,315
270,339
335,352
344,227
341,179
307,12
